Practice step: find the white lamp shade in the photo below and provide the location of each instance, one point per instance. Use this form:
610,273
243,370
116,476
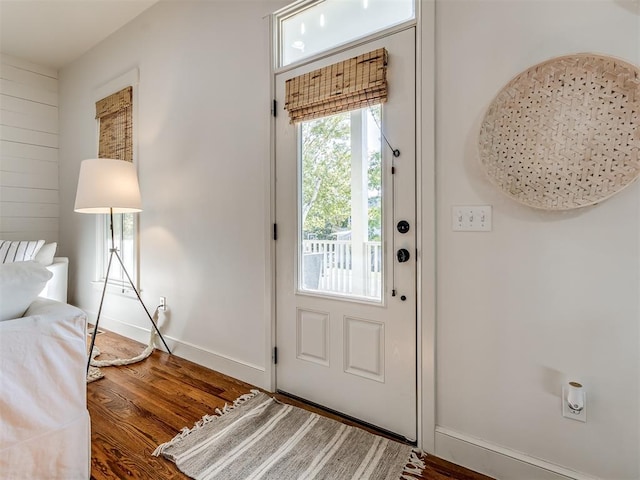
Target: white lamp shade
106,185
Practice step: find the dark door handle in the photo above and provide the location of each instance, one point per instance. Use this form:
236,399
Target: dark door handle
403,255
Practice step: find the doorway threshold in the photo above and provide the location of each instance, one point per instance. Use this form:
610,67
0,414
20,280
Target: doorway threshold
341,417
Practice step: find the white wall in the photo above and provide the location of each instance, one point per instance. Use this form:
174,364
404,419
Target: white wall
545,297
203,123
28,151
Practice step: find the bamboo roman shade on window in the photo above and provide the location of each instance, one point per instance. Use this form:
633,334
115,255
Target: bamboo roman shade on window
116,125
348,85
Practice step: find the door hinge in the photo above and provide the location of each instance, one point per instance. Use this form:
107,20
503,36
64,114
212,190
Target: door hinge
275,355
274,110
275,231
393,170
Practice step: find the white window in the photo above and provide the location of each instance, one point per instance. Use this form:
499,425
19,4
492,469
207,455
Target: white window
125,228
312,27
125,225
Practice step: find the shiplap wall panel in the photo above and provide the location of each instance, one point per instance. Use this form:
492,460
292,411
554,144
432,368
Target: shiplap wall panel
28,66
28,165
26,210
23,150
29,137
13,89
28,195
28,180
13,227
27,114
21,83
32,225
29,186
25,78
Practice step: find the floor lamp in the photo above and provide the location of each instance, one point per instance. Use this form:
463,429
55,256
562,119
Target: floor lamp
107,186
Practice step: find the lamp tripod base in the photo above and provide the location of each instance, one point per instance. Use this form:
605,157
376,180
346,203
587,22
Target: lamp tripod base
113,252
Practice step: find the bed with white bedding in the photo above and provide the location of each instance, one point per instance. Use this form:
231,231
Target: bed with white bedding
45,425
44,422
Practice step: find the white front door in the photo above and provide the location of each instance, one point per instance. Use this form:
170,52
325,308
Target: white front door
346,250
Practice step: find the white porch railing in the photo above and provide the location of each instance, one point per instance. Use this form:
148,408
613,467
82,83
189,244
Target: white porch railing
332,266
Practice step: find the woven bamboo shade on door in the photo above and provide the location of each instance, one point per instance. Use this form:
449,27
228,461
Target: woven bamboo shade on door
565,133
116,125
348,85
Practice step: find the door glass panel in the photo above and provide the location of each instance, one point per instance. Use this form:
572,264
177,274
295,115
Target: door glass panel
341,205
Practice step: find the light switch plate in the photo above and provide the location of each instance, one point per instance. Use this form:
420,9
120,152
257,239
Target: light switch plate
471,218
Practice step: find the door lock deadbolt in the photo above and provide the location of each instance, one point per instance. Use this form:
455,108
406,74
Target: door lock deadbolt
403,226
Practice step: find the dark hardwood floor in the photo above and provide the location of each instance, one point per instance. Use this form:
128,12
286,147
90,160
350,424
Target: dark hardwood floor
137,407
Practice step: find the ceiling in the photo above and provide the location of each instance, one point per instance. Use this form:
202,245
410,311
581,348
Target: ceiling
54,33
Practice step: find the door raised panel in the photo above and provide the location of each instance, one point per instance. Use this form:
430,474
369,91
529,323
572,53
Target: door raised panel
364,348
312,329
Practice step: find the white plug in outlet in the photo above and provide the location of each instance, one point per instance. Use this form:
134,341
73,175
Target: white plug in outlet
568,412
163,303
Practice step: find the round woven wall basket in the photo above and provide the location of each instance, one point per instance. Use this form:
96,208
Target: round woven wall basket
565,133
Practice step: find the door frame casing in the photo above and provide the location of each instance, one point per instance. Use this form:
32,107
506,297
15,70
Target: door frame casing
425,217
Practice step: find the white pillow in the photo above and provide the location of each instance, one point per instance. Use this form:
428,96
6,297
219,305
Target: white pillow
20,284
19,250
46,253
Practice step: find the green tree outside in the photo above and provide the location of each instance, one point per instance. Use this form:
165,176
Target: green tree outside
326,182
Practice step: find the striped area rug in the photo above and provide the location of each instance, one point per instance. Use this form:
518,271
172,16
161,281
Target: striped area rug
259,437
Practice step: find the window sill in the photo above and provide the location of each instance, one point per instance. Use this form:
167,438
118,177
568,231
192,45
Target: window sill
116,289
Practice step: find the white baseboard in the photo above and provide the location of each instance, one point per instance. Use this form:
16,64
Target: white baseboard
496,461
246,372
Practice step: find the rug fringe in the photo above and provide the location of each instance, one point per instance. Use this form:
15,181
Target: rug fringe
415,465
205,420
